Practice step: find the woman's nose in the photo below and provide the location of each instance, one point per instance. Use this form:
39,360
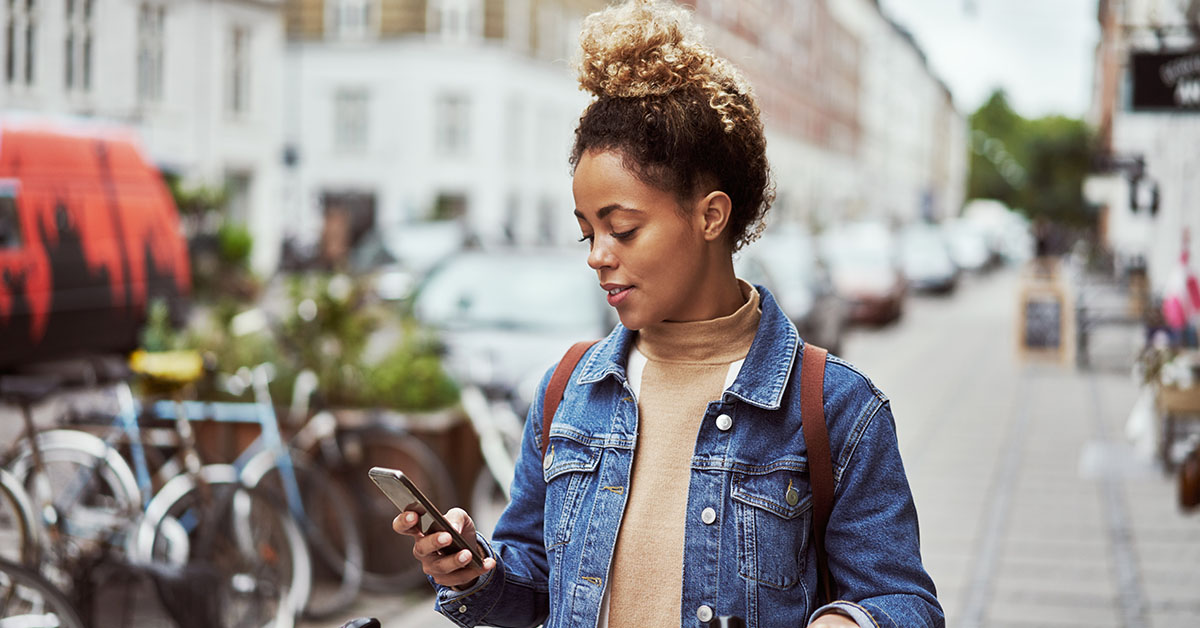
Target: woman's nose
600,256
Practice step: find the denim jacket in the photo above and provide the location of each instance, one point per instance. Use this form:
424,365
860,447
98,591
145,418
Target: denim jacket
554,543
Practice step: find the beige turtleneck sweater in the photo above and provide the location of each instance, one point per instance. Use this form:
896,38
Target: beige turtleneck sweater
686,365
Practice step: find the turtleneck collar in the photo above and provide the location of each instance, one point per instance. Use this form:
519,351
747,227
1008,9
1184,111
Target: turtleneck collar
716,341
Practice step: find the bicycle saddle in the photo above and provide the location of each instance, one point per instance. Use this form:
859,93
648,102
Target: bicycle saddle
28,389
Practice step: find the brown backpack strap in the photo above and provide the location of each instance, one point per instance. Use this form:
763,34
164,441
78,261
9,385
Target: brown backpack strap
558,384
820,461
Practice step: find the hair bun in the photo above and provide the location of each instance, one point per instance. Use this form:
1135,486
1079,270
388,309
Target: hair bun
646,48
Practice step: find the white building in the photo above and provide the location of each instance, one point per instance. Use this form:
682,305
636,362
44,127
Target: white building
1165,140
201,80
913,162
402,111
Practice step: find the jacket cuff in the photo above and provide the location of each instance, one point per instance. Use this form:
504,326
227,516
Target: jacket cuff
848,609
469,607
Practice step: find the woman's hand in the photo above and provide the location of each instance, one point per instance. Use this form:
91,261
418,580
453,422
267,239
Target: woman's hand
833,620
453,570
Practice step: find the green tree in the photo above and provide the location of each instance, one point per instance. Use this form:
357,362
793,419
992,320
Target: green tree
1037,166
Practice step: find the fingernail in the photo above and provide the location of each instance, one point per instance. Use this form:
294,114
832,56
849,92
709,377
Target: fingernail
410,518
464,556
443,538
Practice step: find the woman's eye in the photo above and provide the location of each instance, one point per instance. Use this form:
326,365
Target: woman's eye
587,237
622,235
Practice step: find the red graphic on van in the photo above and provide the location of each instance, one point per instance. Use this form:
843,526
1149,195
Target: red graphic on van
89,234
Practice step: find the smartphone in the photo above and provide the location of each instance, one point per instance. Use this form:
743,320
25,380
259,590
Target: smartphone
407,497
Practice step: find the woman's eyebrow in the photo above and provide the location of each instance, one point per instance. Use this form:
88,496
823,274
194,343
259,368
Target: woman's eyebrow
608,209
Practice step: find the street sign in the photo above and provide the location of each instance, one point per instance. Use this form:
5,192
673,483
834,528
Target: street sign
1166,81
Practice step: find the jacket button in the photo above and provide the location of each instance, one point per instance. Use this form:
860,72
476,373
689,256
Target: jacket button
549,460
708,515
704,613
792,496
724,422
462,609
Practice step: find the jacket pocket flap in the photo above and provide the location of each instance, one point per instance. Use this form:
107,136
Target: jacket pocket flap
566,456
785,493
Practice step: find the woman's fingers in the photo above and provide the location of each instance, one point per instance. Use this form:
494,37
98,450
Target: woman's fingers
431,545
452,569
406,523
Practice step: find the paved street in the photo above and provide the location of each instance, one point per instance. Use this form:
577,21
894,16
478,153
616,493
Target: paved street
1034,510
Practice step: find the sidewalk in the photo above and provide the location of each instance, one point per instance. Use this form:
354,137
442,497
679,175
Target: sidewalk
1034,509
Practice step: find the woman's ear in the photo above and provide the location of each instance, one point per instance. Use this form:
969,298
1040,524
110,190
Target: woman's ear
714,210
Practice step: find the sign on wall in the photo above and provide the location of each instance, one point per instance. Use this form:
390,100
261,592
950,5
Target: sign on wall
1166,81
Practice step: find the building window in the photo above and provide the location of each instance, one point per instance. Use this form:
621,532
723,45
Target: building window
456,20
79,45
349,19
239,185
514,133
150,52
20,36
452,128
350,108
239,70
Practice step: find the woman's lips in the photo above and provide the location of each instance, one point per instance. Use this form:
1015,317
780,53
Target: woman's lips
617,294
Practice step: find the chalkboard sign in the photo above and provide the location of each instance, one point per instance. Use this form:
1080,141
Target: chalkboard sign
1043,323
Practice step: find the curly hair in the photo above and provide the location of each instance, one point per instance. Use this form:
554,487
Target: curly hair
679,116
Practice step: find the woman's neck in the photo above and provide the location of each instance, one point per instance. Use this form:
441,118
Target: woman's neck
719,295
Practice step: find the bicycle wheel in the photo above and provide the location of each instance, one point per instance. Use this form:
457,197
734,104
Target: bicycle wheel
328,524
19,538
28,599
243,557
389,565
83,490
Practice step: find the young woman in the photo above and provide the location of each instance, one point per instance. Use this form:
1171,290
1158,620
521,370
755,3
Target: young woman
675,486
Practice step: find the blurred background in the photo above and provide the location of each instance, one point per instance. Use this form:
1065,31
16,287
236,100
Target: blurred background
357,214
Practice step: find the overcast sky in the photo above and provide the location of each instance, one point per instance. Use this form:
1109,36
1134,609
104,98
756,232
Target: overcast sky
1039,51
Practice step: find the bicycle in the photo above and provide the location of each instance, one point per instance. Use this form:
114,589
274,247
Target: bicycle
316,502
347,450
19,538
29,600
203,522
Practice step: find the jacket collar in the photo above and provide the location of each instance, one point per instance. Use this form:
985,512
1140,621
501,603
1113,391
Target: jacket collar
763,377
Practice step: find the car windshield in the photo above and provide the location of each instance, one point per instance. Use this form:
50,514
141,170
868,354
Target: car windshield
510,292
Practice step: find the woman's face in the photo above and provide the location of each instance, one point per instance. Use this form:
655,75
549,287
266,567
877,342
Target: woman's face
649,257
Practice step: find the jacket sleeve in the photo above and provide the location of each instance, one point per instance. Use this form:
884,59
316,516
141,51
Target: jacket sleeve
872,539
515,593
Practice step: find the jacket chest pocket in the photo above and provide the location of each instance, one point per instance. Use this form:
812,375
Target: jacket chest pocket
774,514
569,468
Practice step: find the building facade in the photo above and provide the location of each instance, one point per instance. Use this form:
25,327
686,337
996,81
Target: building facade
202,81
408,110
402,110
913,160
1148,124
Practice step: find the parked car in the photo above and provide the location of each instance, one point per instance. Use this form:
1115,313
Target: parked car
968,246
89,237
925,258
865,268
786,262
506,316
